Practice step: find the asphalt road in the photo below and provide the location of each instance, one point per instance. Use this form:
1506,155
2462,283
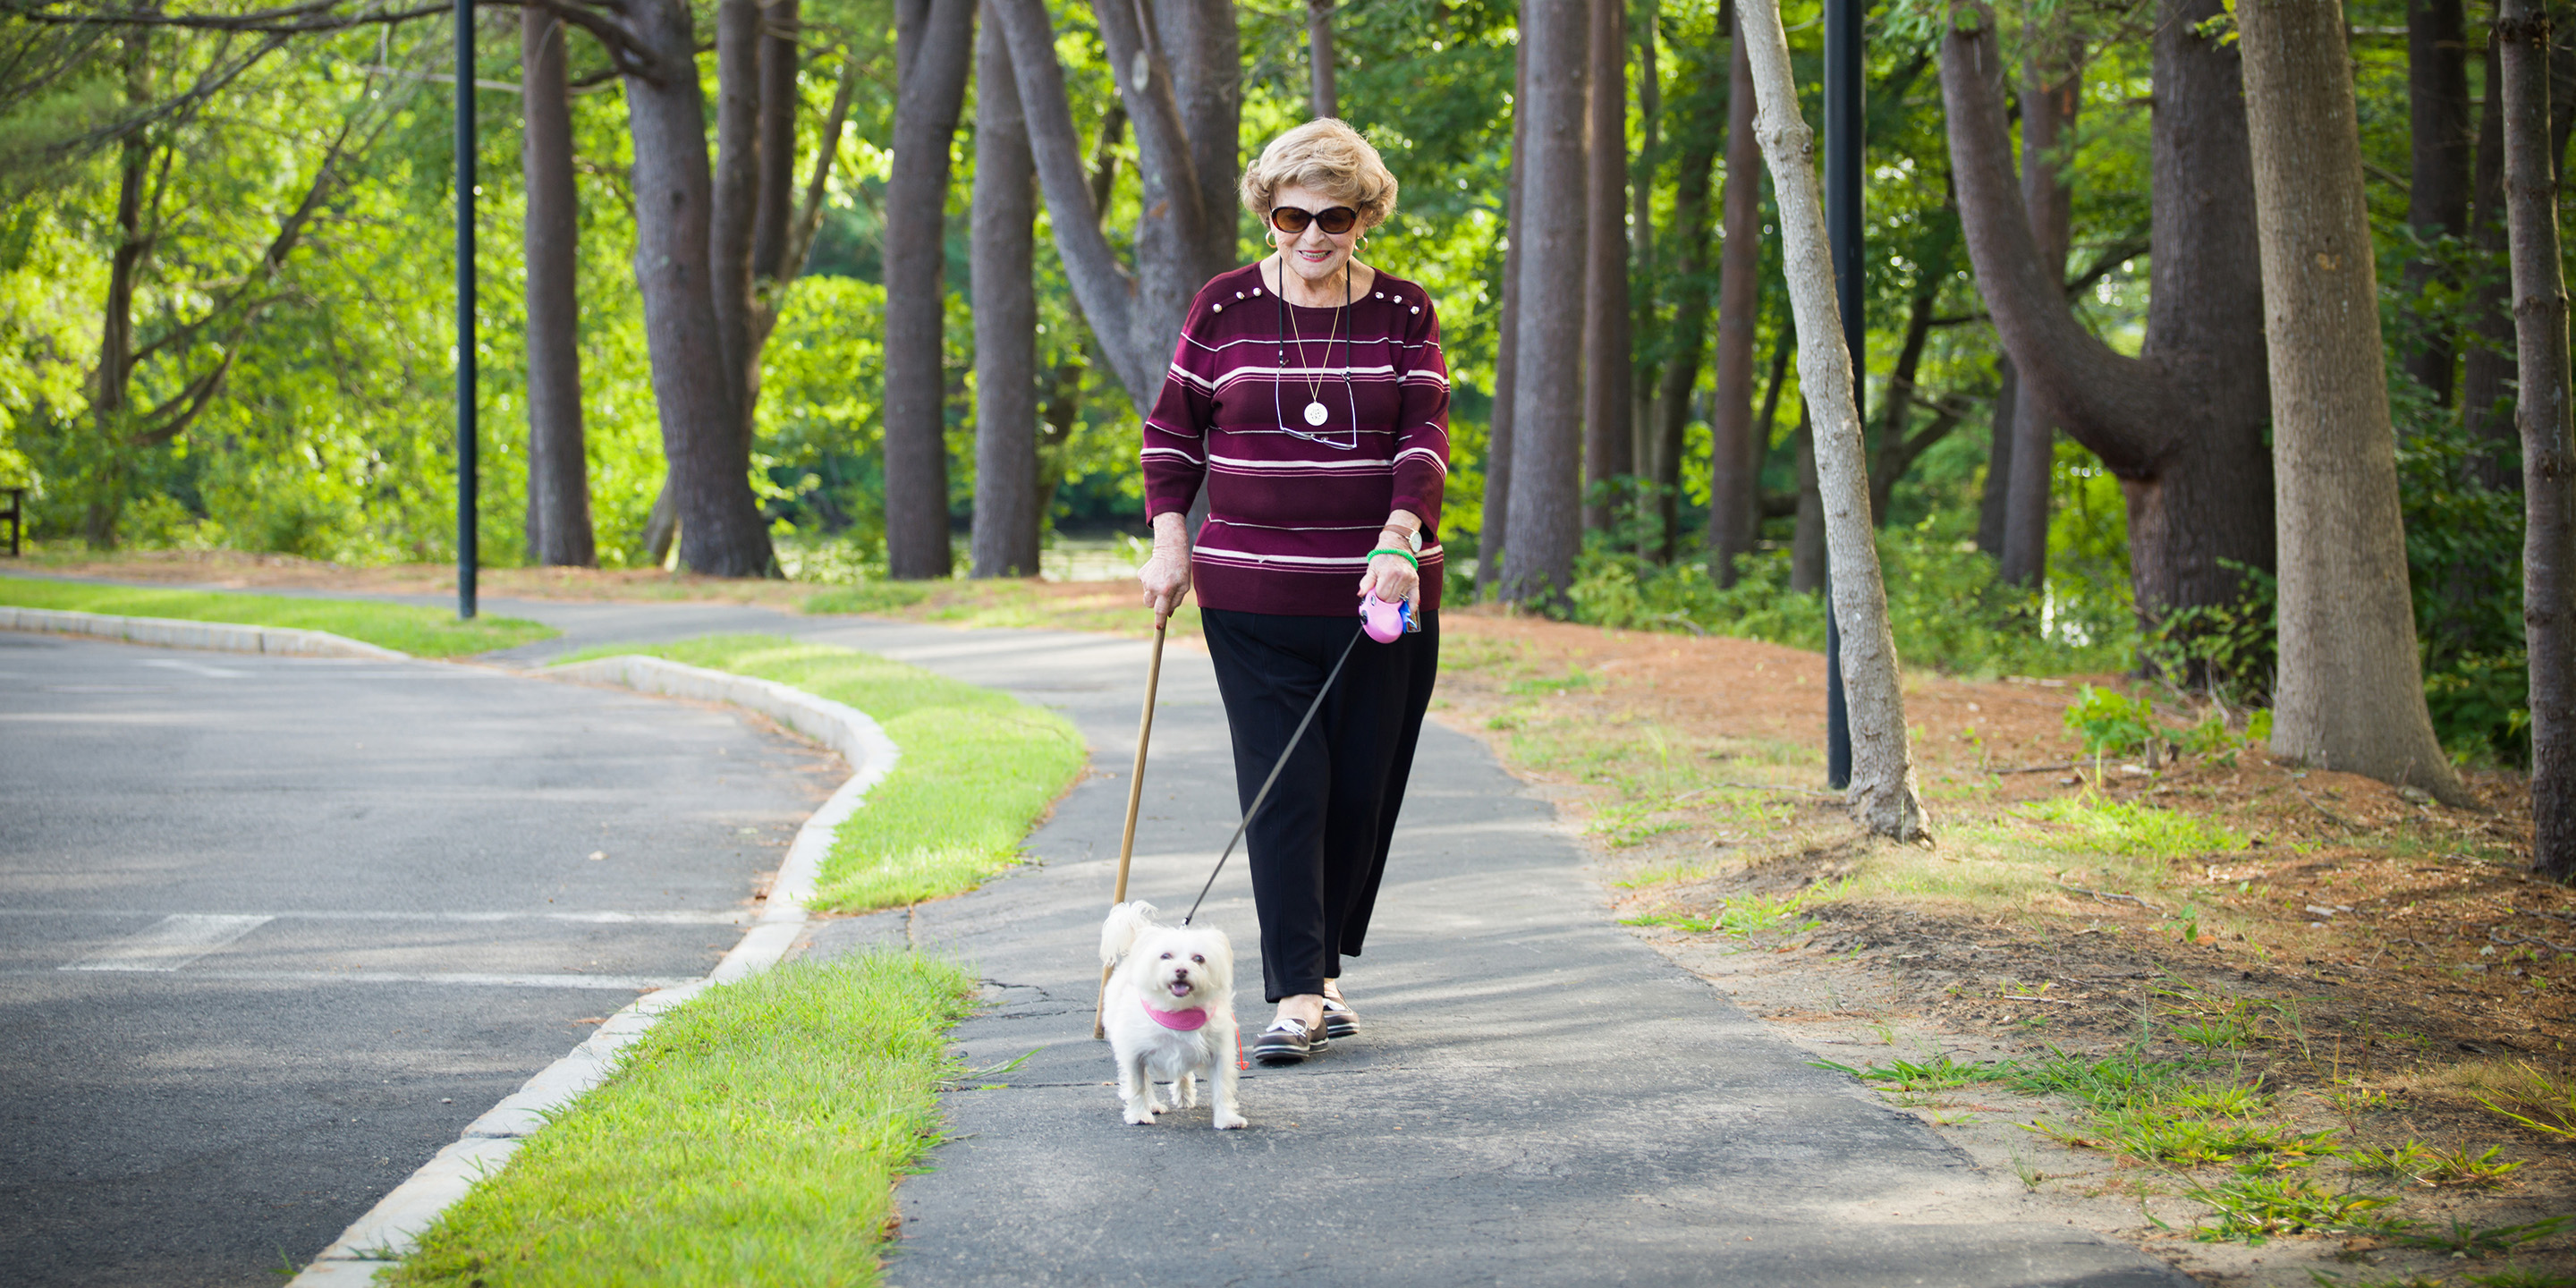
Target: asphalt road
272,930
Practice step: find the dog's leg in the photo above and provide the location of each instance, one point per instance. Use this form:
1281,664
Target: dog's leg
1136,1088
1226,1116
1187,1089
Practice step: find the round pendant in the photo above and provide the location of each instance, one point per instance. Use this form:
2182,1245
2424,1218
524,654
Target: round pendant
1314,413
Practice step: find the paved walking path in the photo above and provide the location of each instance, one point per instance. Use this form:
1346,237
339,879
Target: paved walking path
1536,1097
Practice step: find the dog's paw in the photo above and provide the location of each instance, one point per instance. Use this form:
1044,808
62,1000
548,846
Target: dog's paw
1229,1121
1139,1117
1157,1107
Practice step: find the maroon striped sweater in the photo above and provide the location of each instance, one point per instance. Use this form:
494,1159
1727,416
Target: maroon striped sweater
1294,508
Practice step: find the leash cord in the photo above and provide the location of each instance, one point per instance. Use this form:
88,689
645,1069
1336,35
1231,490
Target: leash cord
1263,795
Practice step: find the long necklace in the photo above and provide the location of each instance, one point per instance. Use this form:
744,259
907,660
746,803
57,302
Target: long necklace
1315,413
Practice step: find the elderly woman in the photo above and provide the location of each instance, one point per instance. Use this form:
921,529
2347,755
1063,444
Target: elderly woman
1308,394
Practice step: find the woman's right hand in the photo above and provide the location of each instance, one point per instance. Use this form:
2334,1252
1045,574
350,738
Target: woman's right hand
1166,575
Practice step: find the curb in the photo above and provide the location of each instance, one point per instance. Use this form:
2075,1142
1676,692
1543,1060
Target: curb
389,1229
171,632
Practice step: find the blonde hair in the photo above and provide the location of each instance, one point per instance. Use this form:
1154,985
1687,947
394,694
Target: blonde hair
1324,156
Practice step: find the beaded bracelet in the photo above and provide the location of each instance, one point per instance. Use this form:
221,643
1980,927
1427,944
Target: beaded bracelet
1391,550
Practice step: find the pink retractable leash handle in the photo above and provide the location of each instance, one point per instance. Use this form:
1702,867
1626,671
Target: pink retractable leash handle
1384,621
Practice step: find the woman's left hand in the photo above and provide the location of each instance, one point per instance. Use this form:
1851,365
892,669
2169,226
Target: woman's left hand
1392,579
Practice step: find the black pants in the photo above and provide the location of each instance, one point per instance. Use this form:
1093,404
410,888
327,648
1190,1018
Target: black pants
1319,847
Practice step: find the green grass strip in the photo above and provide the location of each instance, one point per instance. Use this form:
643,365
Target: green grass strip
978,769
421,632
752,1137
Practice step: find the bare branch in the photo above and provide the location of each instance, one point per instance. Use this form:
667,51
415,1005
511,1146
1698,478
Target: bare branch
317,16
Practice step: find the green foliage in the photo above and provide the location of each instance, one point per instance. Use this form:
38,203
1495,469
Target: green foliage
407,628
978,767
2431,1166
2225,649
1940,1073
2258,1209
2469,1240
753,1136
2112,723
1944,604
1744,916
2085,825
869,597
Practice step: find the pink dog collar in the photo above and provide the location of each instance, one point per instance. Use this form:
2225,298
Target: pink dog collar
1193,1018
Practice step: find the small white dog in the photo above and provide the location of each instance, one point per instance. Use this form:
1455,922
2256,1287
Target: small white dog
1169,1012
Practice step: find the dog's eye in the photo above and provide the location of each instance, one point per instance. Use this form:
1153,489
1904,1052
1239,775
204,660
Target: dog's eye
1167,957
1200,960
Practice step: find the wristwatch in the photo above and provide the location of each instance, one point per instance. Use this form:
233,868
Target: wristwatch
1412,537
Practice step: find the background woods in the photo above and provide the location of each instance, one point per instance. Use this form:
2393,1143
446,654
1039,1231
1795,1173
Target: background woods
847,289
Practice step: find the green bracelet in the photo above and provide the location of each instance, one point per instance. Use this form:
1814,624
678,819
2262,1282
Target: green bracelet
1391,550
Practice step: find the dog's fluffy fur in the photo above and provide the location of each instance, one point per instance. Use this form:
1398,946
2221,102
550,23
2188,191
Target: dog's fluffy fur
1169,968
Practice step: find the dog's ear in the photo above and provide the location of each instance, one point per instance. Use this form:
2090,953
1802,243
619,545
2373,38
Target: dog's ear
1119,932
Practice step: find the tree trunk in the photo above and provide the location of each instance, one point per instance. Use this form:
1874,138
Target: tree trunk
782,26
1899,412
1549,243
1994,507
2350,695
1608,357
112,382
1186,112
733,221
2182,425
935,39
1807,539
559,531
1496,519
1688,331
1735,457
1882,793
780,232
2487,366
2443,144
1206,52
2051,92
721,532
1645,436
1008,524
1321,100
2548,456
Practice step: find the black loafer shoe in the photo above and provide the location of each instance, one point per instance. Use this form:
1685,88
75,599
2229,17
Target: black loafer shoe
1340,1021
1288,1042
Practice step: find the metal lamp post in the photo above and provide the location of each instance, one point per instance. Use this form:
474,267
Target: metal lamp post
466,442
1842,229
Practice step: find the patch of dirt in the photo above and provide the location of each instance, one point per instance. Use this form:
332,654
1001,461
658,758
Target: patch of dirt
2386,952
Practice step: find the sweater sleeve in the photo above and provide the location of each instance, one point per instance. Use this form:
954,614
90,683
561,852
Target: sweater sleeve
1422,425
1174,456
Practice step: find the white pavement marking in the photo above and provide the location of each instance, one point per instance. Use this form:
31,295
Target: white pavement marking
602,983
390,1227
733,918
195,668
171,943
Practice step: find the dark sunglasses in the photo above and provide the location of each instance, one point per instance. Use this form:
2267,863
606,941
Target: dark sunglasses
1336,221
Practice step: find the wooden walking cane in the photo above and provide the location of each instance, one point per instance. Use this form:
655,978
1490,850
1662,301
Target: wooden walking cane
1135,800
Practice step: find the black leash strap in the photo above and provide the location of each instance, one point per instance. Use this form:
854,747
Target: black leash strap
1266,784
